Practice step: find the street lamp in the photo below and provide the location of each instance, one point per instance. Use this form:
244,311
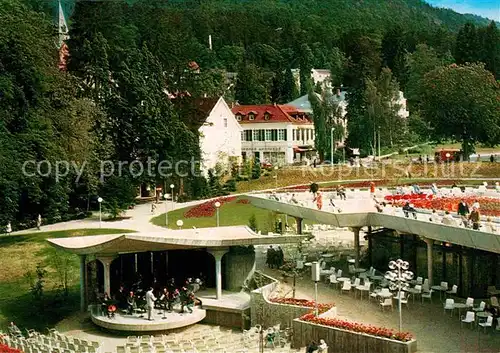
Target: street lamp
399,277
180,223
166,209
171,195
315,274
217,206
331,143
276,176
100,200
379,143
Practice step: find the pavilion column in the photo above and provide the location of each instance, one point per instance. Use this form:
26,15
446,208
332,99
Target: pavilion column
356,246
218,254
83,281
106,262
430,245
298,220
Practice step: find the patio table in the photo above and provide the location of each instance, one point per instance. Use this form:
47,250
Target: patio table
359,270
384,295
483,314
440,290
459,306
413,292
377,278
343,279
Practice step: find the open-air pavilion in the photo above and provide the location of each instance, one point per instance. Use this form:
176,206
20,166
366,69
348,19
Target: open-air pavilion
225,256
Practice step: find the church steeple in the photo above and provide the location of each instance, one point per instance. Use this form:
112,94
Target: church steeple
62,27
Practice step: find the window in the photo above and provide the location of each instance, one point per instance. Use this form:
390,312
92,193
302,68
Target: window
238,117
282,135
243,136
269,135
248,135
267,116
256,135
225,122
294,135
251,116
262,135
274,135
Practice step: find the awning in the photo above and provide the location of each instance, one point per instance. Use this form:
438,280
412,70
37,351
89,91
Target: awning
303,148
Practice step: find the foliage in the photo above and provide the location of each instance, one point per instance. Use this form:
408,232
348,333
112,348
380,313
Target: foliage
256,170
252,222
461,103
37,282
118,194
62,262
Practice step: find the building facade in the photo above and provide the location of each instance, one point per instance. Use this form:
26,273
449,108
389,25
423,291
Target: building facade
220,137
276,134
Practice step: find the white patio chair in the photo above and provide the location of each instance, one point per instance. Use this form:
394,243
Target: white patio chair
357,283
339,273
449,305
426,295
386,302
333,280
420,280
453,290
487,323
469,302
346,286
481,306
444,285
469,318
494,301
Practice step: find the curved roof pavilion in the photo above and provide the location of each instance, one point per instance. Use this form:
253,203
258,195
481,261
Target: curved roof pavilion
170,239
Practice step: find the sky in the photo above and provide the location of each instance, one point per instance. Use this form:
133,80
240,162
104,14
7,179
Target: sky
486,8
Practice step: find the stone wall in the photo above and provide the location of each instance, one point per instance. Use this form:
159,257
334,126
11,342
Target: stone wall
340,341
239,267
266,313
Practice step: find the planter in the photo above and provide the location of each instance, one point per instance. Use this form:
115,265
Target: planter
340,341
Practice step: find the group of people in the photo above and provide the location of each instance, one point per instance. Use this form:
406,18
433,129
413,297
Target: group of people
274,257
147,301
473,217
314,347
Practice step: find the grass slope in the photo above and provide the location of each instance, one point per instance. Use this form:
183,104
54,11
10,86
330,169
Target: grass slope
230,214
22,253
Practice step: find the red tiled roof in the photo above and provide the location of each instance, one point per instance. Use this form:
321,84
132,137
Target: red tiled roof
277,114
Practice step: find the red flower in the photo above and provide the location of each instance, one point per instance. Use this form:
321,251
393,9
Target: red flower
357,327
207,209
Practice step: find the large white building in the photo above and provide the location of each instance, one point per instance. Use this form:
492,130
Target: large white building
220,135
277,134
321,76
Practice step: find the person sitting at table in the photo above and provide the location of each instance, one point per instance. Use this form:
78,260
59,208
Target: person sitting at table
408,208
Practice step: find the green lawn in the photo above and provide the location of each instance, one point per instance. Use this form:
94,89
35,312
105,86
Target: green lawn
230,214
20,254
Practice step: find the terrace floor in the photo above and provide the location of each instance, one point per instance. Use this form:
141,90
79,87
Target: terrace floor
435,331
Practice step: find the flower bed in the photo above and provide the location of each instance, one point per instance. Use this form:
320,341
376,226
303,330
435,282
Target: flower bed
489,206
302,302
243,201
360,328
6,349
207,209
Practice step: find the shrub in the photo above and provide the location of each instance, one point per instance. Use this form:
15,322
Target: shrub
256,170
252,222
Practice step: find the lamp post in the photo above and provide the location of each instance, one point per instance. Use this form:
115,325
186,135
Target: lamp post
100,200
217,206
166,209
315,274
331,144
180,223
379,143
172,193
398,275
276,177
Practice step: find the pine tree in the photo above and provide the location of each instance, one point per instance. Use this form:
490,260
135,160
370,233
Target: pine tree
467,45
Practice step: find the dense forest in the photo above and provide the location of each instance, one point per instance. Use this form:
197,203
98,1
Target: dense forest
127,59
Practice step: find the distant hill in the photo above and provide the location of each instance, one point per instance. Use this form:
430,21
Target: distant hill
347,13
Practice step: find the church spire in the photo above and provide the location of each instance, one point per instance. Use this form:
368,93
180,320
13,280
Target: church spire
62,26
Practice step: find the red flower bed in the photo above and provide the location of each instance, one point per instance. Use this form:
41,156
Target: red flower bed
302,302
207,209
6,349
489,206
361,328
244,201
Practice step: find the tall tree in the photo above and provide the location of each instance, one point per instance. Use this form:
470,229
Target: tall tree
305,65
461,102
467,45
251,85
489,38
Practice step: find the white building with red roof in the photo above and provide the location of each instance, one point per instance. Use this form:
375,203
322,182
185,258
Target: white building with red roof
277,134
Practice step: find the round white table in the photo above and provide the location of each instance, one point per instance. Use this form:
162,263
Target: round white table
327,256
483,314
384,294
343,279
359,270
459,306
440,290
413,292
